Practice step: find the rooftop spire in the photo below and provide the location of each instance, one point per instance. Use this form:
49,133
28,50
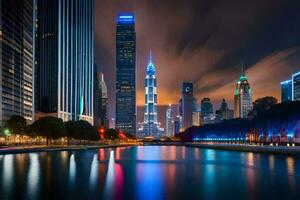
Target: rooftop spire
150,57
242,68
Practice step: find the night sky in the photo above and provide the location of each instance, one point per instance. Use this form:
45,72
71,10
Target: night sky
204,41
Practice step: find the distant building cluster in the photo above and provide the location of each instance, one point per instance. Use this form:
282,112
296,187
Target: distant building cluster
290,89
189,115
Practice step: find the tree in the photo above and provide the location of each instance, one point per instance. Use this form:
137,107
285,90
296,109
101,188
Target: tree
111,134
16,124
81,130
263,104
49,127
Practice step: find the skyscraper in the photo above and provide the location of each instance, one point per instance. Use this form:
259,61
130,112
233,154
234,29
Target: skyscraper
187,105
126,73
224,112
242,97
286,91
169,124
206,107
196,118
150,126
178,125
17,57
100,99
66,58
296,86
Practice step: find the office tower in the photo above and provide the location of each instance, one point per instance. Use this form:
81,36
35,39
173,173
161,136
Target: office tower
100,100
17,57
196,118
187,105
286,90
126,73
224,112
65,69
206,107
150,126
242,97
296,86
178,125
169,123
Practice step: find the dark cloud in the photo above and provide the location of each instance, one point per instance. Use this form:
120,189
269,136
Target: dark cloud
204,41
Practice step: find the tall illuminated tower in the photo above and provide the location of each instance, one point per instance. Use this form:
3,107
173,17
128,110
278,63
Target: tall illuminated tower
169,123
17,57
126,73
65,64
151,125
187,105
242,97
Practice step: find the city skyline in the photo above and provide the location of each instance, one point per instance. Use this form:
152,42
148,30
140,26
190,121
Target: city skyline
203,51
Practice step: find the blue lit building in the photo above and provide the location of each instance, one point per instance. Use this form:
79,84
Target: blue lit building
126,73
286,91
296,86
150,127
65,61
17,57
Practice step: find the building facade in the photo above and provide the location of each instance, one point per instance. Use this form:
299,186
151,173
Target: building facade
100,101
126,74
224,112
17,58
178,125
286,90
169,122
242,98
206,107
187,105
196,118
65,64
296,86
150,126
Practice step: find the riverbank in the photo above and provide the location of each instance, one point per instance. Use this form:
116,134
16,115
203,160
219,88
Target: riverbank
30,149
282,150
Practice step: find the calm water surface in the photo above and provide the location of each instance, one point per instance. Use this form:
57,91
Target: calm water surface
149,172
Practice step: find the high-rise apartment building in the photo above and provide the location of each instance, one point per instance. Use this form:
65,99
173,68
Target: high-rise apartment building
17,58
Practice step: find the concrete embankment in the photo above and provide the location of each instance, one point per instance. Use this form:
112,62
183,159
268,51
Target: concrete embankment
28,149
283,150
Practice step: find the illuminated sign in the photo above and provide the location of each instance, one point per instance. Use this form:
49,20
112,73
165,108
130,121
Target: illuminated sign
126,18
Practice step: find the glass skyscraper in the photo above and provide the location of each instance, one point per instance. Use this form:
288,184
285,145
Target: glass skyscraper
296,86
17,57
286,90
126,73
65,63
100,113
242,97
187,105
169,123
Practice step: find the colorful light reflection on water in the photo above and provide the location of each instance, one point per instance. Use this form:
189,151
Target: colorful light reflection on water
149,172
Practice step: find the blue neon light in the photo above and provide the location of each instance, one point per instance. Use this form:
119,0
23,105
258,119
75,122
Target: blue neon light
126,18
286,82
296,74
